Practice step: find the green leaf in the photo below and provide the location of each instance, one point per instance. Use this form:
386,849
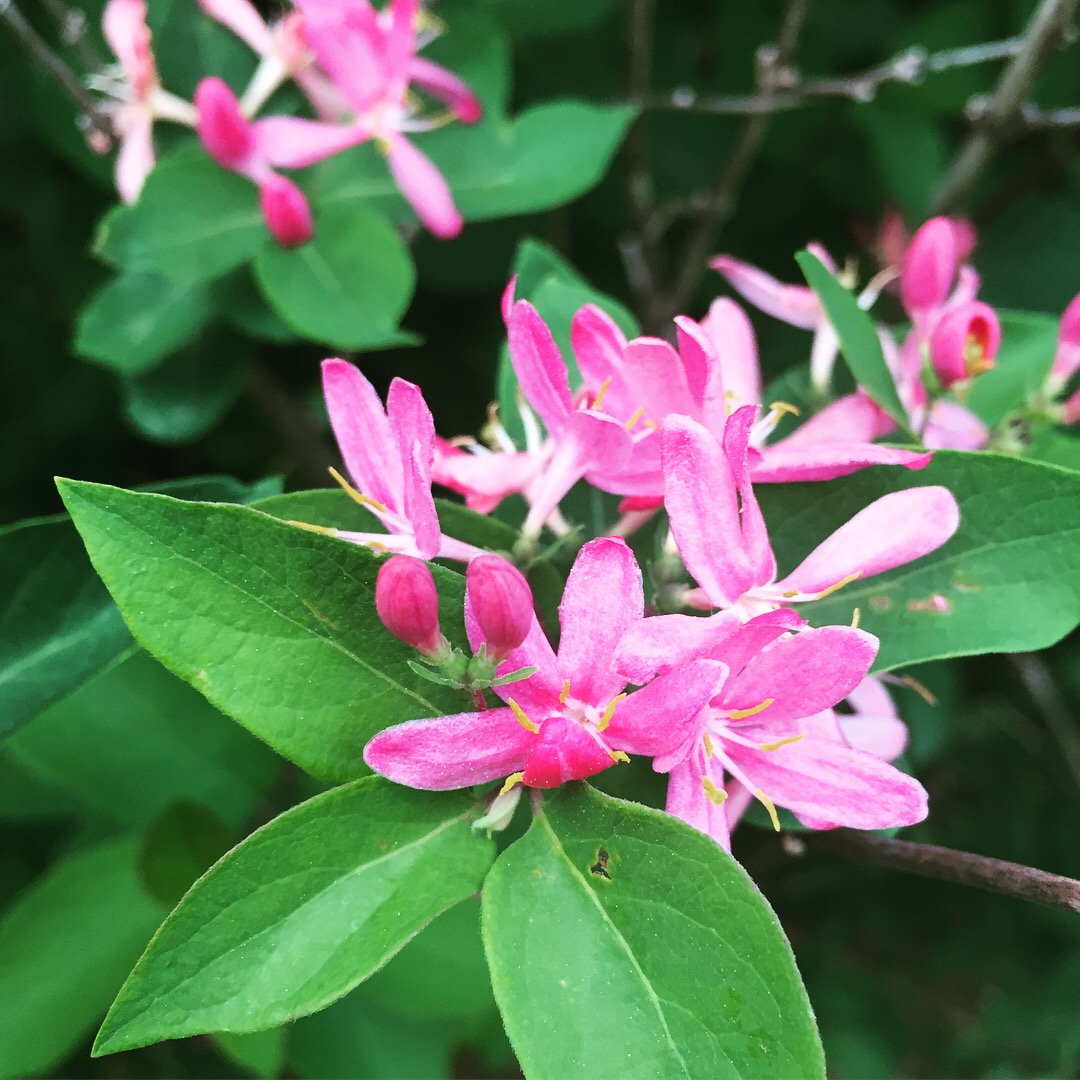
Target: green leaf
858,338
348,287
1028,343
276,625
65,946
260,1053
301,912
193,221
1010,576
646,948
134,739
58,626
184,842
138,319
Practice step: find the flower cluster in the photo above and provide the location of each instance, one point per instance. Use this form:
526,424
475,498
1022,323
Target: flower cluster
718,680
356,66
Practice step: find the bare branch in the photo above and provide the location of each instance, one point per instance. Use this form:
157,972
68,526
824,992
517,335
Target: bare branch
1050,26
961,867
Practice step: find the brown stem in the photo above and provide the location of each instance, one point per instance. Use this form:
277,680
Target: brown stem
961,867
36,46
1050,25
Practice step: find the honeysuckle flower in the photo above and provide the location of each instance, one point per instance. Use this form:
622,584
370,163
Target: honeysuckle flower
407,603
137,99
254,148
572,717
501,603
388,453
771,730
371,59
720,534
964,342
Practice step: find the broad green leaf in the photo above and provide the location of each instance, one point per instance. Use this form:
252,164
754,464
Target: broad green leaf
184,397
1028,342
301,912
193,221
242,306
260,1053
348,287
58,626
858,338
138,319
65,946
623,943
276,625
1009,578
183,843
135,738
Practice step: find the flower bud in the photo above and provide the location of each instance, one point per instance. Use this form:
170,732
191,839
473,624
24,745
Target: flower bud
408,603
965,342
286,211
501,601
225,131
1067,357
929,266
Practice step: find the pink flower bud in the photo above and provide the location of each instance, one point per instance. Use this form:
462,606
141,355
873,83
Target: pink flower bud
225,131
1067,357
408,603
929,266
965,342
286,211
502,603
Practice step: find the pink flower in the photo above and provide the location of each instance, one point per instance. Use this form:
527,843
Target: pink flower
965,342
721,536
255,148
407,603
570,719
138,99
929,267
501,603
771,729
388,454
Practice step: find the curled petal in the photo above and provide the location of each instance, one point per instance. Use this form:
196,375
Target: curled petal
794,304
286,211
446,86
964,342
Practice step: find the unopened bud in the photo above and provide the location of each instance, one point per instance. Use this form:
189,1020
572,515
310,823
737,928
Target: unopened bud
225,131
286,211
1067,357
408,603
965,342
929,266
502,603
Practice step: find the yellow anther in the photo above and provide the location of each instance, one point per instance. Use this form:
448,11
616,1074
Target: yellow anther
708,744
601,392
856,615
790,593
712,792
782,407
635,416
839,585
768,804
511,780
781,742
439,119
618,755
914,684
382,144
609,712
565,692
358,496
376,546
522,719
324,529
975,359
425,20
742,714
652,425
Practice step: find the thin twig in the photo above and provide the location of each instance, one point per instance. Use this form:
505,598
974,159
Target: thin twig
961,867
35,44
1049,27
1039,683
909,68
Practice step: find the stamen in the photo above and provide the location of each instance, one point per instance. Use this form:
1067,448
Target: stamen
770,806
839,585
742,714
782,742
511,780
358,496
609,712
715,795
601,392
856,615
522,719
565,692
927,695
635,416
708,744
618,755
326,530
781,407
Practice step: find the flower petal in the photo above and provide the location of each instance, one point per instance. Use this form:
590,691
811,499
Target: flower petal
450,751
755,536
423,186
732,336
655,645
686,800
539,366
136,157
563,751
656,379
414,429
291,142
794,304
447,87
244,21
